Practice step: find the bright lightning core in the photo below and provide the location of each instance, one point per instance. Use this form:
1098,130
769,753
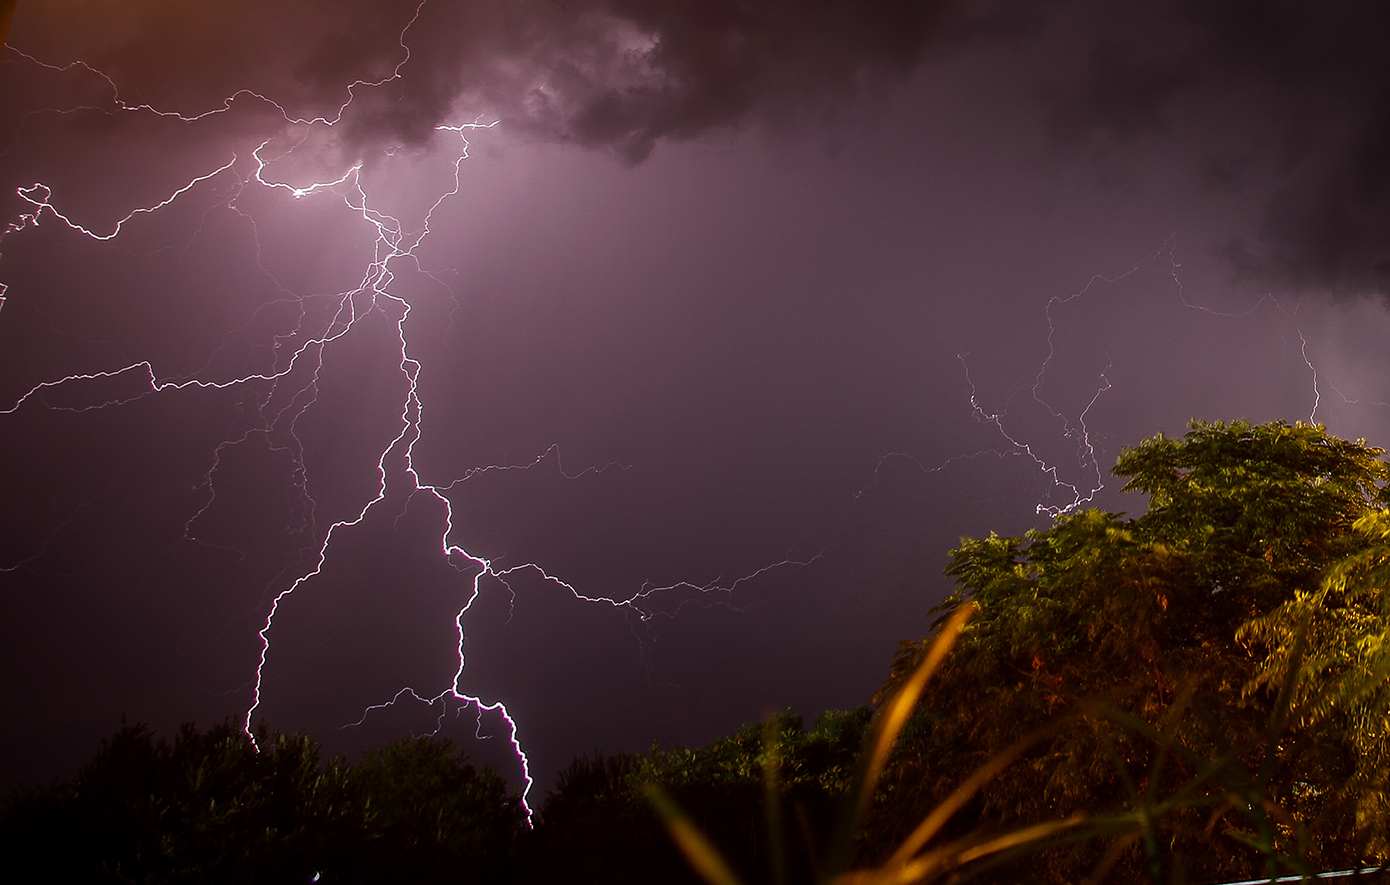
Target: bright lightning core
307,335
280,397
313,350
271,355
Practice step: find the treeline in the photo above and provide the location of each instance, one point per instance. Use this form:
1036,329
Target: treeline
207,807
1197,694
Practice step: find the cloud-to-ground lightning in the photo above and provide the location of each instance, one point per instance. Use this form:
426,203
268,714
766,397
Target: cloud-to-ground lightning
667,291
392,243
282,395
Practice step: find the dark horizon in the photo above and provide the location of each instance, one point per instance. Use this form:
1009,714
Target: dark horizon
663,351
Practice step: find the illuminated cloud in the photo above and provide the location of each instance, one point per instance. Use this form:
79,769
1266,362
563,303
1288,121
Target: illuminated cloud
611,74
837,348
1286,101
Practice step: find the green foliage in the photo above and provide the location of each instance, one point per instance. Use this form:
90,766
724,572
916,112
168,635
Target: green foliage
822,759
915,858
1256,507
1341,689
598,825
1129,622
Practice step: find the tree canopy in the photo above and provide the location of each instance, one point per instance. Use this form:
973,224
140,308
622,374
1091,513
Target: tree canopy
1183,619
1332,646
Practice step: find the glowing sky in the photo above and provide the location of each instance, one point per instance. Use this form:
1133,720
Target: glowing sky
736,319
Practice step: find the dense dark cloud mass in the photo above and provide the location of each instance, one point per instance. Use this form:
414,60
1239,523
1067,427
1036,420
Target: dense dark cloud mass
1303,86
612,74
1287,103
740,315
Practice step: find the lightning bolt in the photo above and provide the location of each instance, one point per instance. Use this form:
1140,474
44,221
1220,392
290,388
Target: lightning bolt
393,243
1074,427
1086,453
1312,370
280,396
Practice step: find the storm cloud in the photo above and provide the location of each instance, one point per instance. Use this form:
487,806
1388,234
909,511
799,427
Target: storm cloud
749,309
1286,103
618,75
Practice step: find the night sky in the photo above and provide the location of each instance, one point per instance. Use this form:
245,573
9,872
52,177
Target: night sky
672,343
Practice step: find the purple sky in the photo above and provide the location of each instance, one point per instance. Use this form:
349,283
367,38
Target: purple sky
733,323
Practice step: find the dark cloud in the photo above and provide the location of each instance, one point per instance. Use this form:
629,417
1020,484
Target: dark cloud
1328,226
1302,87
746,332
1118,93
1284,102
709,65
609,74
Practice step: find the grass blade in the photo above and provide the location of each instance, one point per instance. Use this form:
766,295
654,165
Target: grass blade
698,850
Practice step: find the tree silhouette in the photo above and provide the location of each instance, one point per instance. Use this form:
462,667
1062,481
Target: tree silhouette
210,806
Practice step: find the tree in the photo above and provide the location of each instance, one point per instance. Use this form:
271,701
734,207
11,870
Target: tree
206,806
1130,626
209,806
598,824
1333,644
430,816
